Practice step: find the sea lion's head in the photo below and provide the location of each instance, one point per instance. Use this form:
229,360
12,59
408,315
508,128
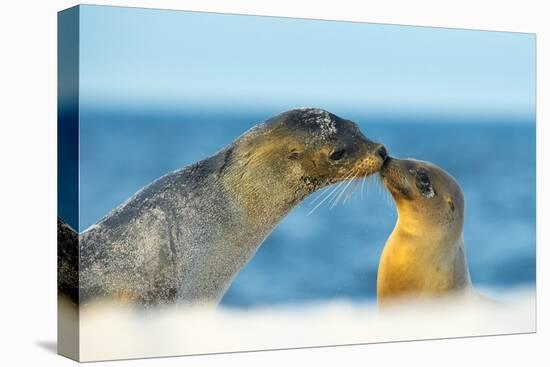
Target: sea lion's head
328,148
298,152
319,146
427,197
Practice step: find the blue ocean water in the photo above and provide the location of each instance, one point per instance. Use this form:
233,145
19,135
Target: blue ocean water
331,253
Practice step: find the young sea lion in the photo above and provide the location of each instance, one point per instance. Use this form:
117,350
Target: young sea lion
424,255
184,237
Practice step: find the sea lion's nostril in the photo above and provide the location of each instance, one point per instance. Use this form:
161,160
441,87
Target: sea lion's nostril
382,152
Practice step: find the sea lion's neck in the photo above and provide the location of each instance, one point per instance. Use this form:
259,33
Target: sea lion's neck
264,193
420,261
262,182
254,189
413,223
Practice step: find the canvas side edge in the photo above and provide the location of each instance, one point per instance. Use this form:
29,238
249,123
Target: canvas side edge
68,328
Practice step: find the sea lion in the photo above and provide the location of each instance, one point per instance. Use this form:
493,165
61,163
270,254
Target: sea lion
184,237
424,255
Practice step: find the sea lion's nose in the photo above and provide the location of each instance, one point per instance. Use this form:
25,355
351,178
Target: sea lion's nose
382,152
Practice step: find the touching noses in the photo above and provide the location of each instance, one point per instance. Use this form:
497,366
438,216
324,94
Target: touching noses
382,152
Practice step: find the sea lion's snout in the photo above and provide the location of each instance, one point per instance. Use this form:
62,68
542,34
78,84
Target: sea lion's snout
395,178
369,158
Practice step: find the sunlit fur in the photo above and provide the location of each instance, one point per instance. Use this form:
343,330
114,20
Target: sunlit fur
424,255
264,179
185,236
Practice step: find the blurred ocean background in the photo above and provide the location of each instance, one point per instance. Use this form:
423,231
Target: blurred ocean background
162,89
333,253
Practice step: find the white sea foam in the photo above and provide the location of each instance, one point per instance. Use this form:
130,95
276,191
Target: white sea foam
110,332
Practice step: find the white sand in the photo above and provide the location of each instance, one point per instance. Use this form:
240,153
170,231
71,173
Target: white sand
113,332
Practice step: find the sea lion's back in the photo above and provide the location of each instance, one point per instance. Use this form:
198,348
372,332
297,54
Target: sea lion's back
67,260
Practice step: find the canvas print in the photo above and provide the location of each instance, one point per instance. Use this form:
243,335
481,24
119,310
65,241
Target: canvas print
235,183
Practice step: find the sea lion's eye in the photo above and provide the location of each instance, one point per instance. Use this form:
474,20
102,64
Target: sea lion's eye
424,185
337,155
423,178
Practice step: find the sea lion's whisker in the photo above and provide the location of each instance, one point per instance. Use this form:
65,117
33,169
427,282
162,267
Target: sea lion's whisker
368,180
346,191
334,198
340,186
353,188
346,196
351,173
349,196
341,193
385,193
327,190
326,197
323,192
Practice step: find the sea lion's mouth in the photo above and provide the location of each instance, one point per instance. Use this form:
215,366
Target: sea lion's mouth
384,168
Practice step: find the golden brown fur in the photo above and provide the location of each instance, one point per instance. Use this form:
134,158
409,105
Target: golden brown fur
424,255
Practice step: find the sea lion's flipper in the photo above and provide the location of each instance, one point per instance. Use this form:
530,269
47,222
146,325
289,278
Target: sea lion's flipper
67,260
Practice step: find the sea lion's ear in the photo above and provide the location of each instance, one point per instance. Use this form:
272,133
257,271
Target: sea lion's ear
451,204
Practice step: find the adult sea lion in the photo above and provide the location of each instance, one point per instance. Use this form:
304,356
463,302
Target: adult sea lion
424,255
184,237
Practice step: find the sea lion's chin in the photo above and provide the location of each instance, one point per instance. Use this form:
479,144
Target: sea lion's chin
392,189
